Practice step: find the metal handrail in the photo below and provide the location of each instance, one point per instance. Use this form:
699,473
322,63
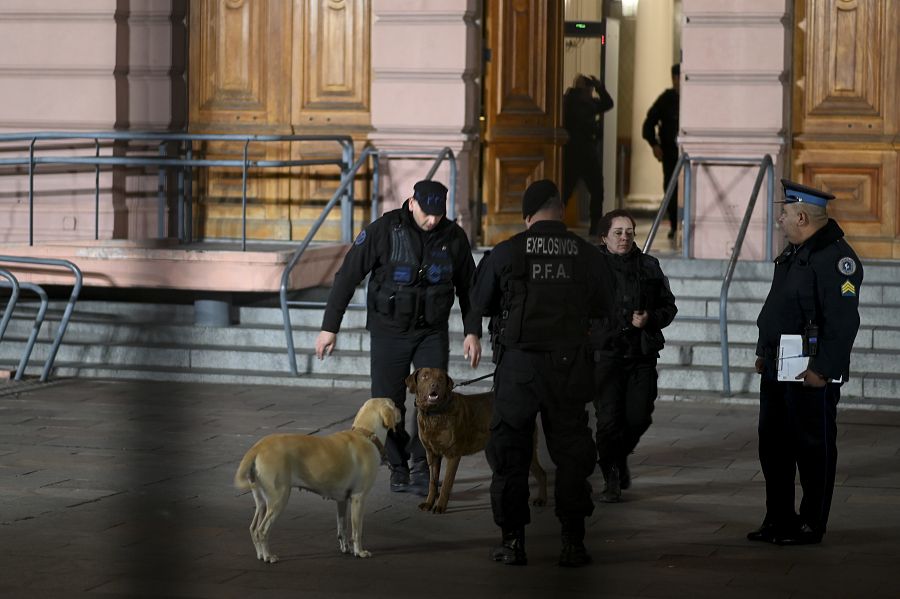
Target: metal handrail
13,298
70,306
445,152
685,161
347,179
664,205
186,162
35,328
766,166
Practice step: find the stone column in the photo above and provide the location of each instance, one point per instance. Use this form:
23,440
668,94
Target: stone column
652,63
735,101
425,94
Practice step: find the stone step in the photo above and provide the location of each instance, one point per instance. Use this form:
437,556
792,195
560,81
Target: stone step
160,341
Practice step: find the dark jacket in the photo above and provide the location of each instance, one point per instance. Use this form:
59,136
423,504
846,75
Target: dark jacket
581,112
661,124
817,281
411,286
541,285
638,284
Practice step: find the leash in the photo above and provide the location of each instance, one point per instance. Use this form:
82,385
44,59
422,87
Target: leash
469,382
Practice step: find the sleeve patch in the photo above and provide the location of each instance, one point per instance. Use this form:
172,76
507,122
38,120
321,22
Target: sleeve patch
846,266
848,289
361,238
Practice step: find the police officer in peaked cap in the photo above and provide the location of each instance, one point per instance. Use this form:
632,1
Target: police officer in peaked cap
541,287
418,259
815,294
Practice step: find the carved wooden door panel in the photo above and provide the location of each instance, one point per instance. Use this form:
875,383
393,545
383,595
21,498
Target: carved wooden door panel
523,135
276,67
846,114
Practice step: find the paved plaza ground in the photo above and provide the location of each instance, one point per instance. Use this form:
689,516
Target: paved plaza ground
117,489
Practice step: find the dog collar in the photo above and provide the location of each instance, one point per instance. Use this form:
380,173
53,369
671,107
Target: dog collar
374,439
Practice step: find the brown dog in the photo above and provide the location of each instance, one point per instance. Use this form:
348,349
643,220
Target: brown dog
452,425
341,466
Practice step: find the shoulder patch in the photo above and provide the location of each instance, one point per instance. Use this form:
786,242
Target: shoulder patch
361,238
846,266
848,289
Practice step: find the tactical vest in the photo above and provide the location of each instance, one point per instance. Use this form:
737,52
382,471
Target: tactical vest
544,303
412,292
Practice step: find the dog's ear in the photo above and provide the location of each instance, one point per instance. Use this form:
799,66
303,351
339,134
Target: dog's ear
390,415
449,382
411,381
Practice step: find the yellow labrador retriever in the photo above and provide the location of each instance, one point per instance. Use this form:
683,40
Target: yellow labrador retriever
452,425
341,466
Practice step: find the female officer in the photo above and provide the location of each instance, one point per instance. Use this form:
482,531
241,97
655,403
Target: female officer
626,345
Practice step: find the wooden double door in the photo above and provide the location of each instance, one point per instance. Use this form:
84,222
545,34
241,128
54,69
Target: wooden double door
276,67
846,115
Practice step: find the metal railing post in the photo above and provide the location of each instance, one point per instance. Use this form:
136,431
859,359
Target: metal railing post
770,212
96,190
161,195
11,303
347,199
687,229
376,186
186,215
31,166
35,328
244,198
451,208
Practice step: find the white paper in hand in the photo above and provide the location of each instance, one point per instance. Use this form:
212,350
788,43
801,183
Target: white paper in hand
791,360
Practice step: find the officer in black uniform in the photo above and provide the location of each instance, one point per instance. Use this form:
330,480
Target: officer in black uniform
541,286
815,294
417,259
582,111
660,129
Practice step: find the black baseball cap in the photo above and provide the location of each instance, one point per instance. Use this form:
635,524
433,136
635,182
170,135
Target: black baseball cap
537,195
431,196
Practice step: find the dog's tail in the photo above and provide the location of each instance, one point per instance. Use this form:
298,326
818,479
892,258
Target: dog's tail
245,477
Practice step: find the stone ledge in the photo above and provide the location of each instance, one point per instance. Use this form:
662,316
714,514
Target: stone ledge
199,266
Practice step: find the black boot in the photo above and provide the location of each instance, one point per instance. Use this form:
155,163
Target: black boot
511,550
612,490
419,477
573,554
624,474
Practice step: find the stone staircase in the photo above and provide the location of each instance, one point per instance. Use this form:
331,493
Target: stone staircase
121,340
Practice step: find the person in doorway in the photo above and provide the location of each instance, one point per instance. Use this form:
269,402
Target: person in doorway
582,111
626,343
815,294
417,260
661,130
541,286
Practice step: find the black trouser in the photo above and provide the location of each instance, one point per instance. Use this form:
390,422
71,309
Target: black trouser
670,159
626,392
391,356
555,385
581,162
798,432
